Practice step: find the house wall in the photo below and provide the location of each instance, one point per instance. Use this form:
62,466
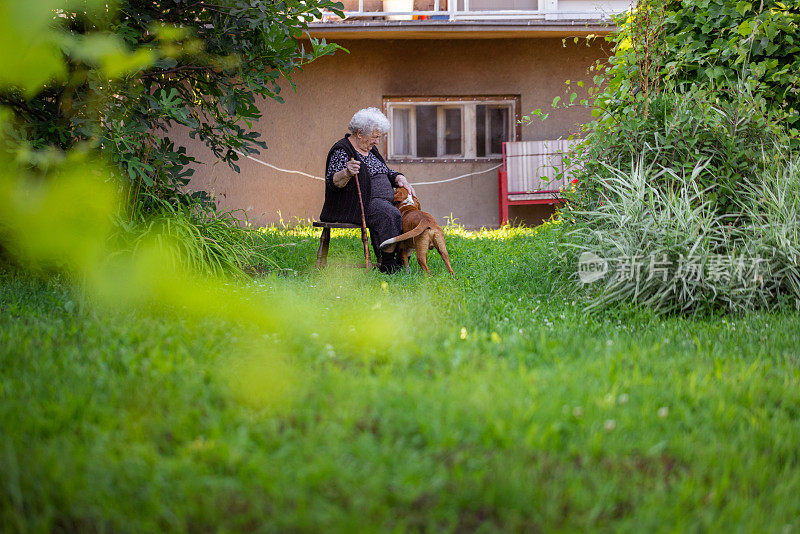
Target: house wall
329,90
369,5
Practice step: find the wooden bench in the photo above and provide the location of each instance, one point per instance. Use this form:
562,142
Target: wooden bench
325,240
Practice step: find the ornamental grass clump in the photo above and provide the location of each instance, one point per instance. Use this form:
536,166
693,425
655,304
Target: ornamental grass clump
771,205
660,242
205,240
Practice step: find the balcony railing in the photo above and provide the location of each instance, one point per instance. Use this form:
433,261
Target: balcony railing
461,10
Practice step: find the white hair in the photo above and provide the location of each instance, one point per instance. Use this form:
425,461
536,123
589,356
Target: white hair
368,120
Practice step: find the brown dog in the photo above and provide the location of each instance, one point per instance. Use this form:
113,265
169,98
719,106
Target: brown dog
420,232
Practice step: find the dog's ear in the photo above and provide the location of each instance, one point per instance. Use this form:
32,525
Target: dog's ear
400,194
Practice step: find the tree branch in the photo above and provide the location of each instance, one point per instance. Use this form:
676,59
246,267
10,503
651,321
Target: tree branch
22,108
176,69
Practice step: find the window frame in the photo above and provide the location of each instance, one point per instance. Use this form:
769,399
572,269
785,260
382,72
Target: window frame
468,105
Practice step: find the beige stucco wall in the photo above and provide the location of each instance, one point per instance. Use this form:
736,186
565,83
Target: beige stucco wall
329,90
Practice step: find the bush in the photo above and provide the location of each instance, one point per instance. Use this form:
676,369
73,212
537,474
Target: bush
671,168
689,84
120,77
713,43
710,44
733,138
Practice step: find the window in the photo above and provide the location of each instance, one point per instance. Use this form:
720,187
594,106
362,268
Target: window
456,128
497,5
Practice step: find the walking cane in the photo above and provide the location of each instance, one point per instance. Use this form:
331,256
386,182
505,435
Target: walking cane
367,262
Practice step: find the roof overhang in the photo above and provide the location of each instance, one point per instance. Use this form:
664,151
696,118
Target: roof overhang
473,29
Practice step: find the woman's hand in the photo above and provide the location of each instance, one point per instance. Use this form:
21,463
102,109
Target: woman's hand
353,166
403,182
341,178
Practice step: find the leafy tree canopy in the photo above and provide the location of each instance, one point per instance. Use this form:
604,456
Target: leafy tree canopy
118,76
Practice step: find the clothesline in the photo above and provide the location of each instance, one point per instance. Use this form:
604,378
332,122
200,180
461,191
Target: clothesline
434,182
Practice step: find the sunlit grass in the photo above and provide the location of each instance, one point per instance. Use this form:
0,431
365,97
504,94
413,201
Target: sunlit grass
486,401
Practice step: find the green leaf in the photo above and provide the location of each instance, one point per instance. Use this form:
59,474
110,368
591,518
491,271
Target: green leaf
114,66
743,7
745,28
29,45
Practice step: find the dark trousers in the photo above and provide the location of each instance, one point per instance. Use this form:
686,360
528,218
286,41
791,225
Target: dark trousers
384,222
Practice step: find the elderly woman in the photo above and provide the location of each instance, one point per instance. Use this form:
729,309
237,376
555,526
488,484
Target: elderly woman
357,154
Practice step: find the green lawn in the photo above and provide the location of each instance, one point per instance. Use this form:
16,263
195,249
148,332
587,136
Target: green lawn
488,402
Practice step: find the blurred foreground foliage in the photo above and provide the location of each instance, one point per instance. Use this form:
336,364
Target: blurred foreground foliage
64,219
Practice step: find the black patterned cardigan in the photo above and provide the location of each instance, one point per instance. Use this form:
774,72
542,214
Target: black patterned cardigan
341,203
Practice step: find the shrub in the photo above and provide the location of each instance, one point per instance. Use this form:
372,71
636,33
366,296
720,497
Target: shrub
690,162
734,138
716,81
138,69
712,44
